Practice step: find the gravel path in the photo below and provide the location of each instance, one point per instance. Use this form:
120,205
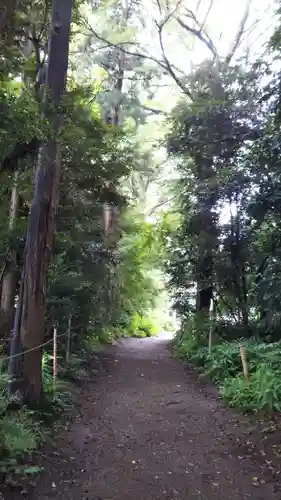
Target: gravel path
147,431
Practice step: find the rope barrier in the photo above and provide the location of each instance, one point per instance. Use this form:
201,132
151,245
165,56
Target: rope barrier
7,358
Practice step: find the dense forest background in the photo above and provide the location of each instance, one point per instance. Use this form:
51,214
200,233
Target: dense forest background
139,179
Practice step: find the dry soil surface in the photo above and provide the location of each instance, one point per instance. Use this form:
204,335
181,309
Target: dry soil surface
148,430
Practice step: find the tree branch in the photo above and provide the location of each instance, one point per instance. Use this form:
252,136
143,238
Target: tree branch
198,33
169,66
239,34
161,204
153,110
126,51
165,64
206,15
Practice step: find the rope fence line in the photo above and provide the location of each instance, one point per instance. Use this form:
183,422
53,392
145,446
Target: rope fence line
7,358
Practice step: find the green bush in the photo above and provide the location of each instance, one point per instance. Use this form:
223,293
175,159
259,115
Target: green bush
96,340
133,325
168,326
74,370
237,394
18,434
61,398
224,361
189,347
142,326
223,366
262,393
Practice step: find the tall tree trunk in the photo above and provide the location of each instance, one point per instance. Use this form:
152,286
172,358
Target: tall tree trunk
207,234
238,264
119,86
206,231
10,278
28,335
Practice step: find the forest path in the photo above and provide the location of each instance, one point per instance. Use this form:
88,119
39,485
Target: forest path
147,430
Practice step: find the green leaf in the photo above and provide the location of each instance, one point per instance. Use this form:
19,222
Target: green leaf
32,470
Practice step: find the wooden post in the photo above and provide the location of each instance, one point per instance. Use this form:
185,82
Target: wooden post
68,339
55,360
210,340
211,318
244,362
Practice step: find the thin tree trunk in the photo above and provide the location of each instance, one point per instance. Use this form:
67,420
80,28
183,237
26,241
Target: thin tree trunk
29,325
10,278
118,87
245,312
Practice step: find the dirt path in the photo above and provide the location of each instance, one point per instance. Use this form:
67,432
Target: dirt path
147,431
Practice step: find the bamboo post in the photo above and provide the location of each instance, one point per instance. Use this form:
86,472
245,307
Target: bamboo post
54,359
211,317
210,340
244,362
68,339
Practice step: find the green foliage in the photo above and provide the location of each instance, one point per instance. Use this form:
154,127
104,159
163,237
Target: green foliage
18,435
238,394
262,393
138,253
168,326
142,326
223,365
61,397
93,343
74,370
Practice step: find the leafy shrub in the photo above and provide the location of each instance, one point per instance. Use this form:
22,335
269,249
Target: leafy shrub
188,345
96,340
168,326
237,394
142,326
61,397
74,370
18,434
106,336
223,365
223,361
92,344
262,393
128,326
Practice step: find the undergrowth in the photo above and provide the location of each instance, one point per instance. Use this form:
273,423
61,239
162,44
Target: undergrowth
136,325
262,393
22,431
20,434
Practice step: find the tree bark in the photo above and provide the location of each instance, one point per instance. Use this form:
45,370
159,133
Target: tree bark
28,335
10,278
